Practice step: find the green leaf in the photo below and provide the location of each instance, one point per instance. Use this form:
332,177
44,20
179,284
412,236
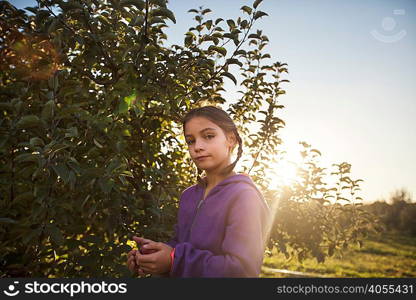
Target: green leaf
26,157
62,171
259,14
205,11
70,6
130,99
138,3
47,110
42,15
254,36
127,173
244,24
218,20
193,10
113,165
29,121
93,239
247,9
231,23
218,49
231,76
36,142
53,25
228,35
7,221
32,9
127,103
256,3
161,3
208,24
156,20
55,234
105,185
28,237
123,107
234,61
137,21
72,132
316,151
164,12
188,40
98,144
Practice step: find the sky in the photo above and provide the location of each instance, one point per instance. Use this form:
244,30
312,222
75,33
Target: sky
351,94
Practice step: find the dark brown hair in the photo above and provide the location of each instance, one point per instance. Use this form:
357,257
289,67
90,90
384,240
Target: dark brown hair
222,120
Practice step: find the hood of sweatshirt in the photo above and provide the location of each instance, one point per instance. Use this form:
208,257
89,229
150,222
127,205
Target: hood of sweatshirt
241,178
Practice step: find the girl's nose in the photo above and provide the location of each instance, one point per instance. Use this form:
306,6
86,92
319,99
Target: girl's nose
199,145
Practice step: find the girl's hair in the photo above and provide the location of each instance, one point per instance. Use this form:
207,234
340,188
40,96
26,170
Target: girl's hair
223,120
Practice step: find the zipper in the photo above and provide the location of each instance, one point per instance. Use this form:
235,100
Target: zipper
196,213
198,207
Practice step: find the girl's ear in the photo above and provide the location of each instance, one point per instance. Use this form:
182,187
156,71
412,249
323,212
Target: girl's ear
232,141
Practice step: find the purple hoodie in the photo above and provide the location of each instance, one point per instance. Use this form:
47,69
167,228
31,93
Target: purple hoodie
223,235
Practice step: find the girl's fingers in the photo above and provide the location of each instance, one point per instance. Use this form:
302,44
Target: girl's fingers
131,264
145,269
131,255
141,240
143,265
141,273
132,267
143,261
131,260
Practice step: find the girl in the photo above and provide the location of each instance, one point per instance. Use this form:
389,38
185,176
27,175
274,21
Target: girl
222,220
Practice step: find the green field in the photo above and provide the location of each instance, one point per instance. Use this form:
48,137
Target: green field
386,255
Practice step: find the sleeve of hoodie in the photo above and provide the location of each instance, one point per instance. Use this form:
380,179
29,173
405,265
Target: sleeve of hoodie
242,246
174,240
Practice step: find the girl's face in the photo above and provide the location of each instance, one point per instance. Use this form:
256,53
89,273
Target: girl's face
205,139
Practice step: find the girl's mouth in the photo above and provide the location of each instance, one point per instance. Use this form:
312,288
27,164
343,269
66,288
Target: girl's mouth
202,158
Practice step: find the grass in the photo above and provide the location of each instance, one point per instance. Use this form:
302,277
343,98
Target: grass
385,255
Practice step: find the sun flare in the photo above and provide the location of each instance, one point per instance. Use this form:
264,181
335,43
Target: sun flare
285,173
284,169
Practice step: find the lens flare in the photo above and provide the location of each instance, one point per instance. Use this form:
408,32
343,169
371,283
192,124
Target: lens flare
31,57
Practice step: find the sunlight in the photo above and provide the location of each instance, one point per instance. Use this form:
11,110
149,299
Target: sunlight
282,172
286,173
284,169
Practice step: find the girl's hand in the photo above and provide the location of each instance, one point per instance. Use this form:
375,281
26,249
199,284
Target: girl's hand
131,261
141,242
157,262
131,264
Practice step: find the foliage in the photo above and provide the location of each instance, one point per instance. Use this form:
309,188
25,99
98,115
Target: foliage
91,152
91,100
318,218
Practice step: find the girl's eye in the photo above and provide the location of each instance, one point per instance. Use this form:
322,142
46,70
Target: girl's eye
210,136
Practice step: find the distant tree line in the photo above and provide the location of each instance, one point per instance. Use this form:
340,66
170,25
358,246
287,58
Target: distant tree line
398,213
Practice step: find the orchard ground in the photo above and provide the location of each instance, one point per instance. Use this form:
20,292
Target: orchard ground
386,255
